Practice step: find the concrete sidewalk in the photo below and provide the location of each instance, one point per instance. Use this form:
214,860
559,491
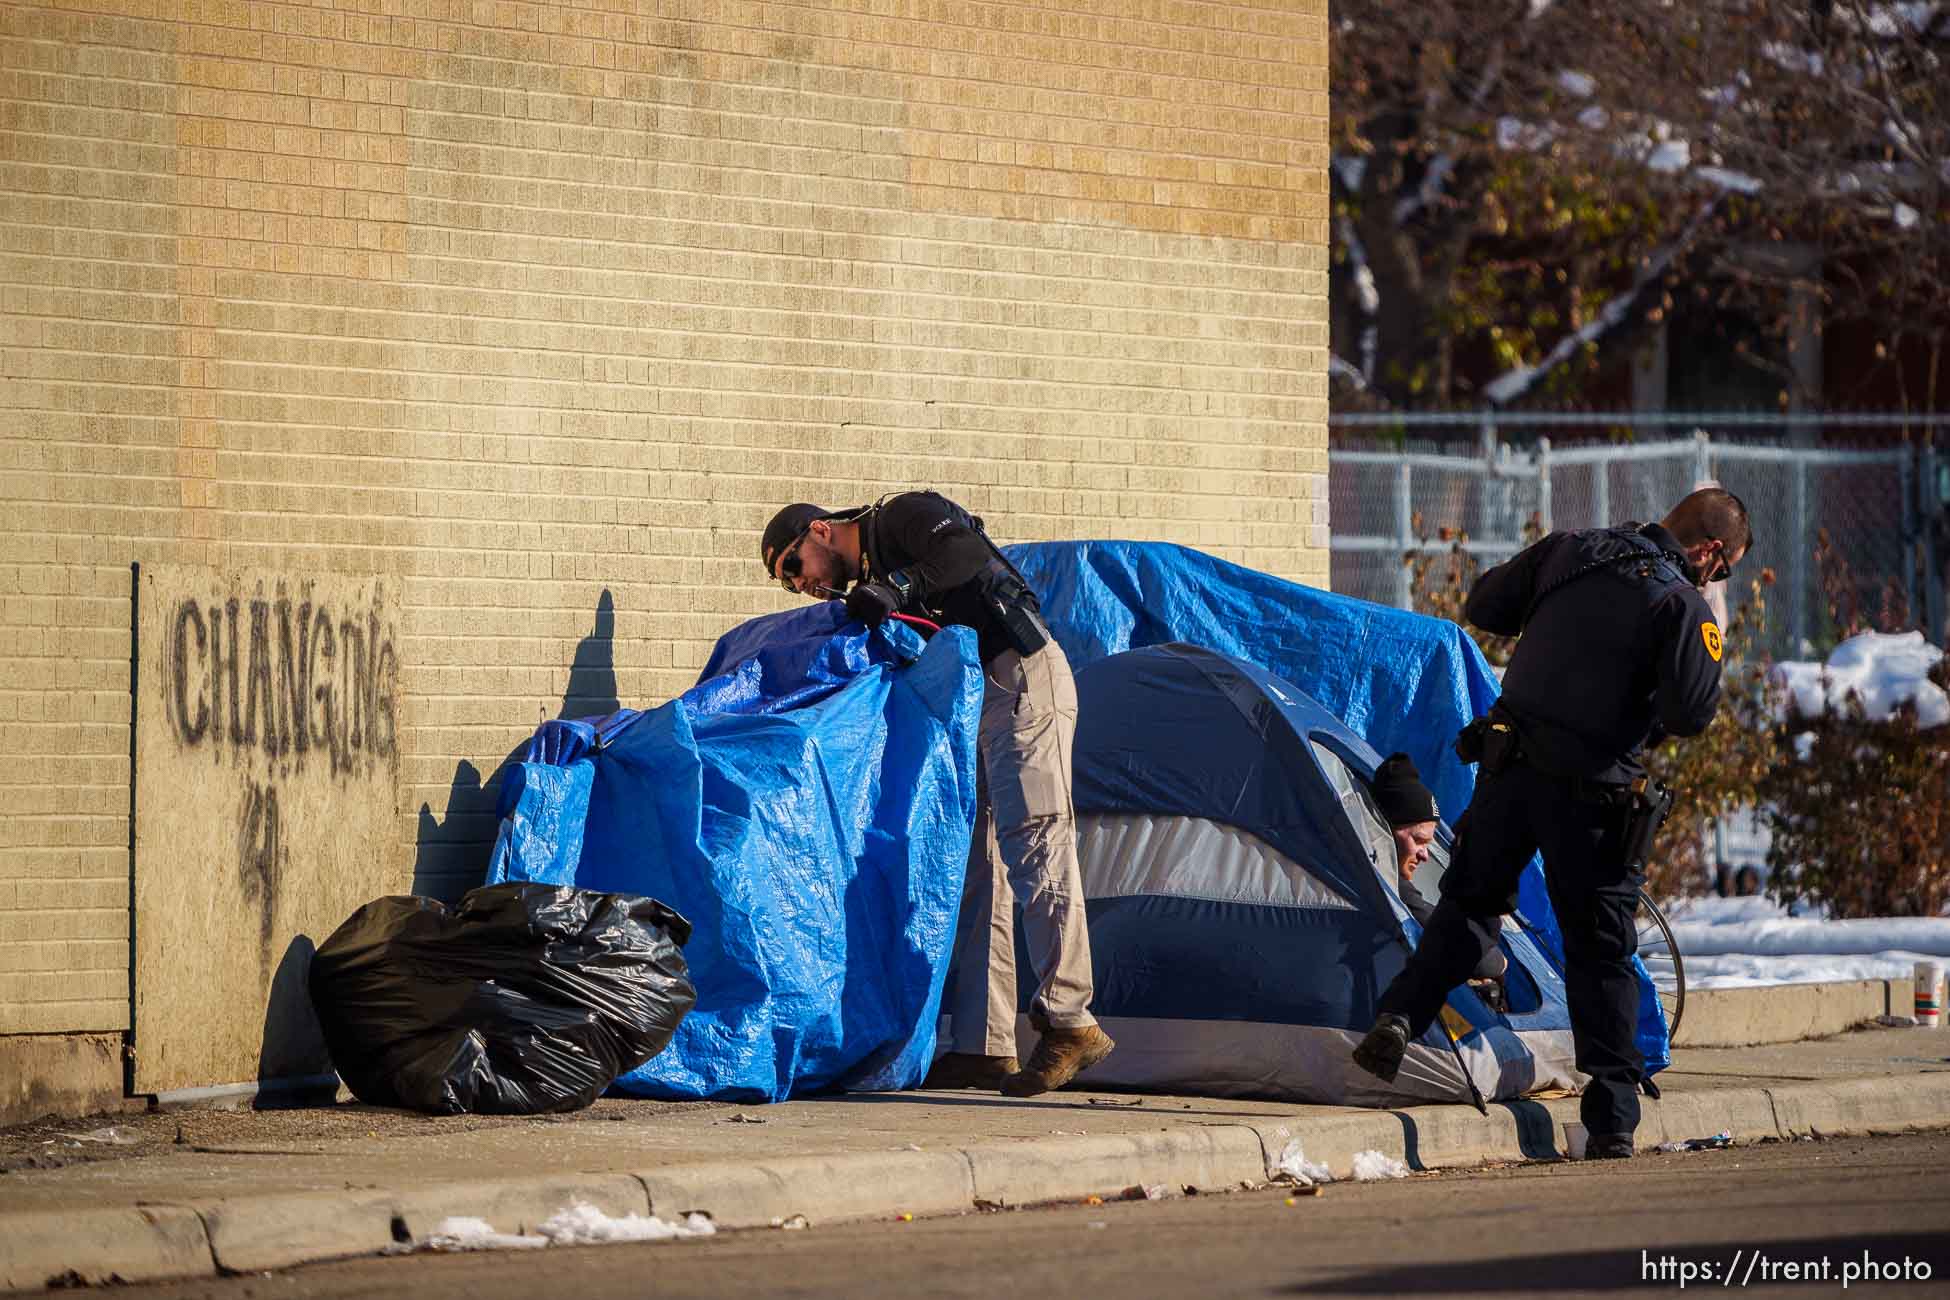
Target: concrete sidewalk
284,1187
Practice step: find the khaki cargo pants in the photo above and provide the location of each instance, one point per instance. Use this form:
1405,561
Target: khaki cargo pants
1024,849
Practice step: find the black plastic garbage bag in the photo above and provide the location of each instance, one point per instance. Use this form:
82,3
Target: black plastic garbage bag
523,999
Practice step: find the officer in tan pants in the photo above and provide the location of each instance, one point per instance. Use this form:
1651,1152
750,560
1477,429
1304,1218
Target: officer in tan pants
920,553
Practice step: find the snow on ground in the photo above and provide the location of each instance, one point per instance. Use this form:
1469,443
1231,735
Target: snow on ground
573,1225
1736,942
1884,670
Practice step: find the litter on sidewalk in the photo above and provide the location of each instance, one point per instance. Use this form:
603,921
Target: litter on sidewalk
576,1224
1293,1166
1724,1138
1372,1165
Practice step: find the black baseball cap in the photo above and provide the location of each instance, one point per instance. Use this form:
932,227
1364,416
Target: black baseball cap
1400,794
785,526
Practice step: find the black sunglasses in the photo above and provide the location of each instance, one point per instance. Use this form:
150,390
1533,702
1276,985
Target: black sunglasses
1726,566
789,563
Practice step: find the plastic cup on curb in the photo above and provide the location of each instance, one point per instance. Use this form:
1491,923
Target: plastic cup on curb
1929,994
1574,1140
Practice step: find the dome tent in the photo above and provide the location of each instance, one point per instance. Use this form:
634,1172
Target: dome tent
1243,912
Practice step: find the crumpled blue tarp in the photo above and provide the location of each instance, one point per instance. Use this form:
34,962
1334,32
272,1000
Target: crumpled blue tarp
808,808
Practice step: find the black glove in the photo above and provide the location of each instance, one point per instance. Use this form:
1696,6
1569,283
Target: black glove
872,602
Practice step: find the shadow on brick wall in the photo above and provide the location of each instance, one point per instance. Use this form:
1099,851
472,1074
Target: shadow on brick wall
293,1044
451,856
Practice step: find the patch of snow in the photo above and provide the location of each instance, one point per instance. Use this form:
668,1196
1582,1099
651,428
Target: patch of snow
574,1225
1364,290
1538,8
1712,910
1515,133
463,1232
1793,58
1927,936
1669,156
1728,95
1579,84
1739,182
1594,119
1905,216
1746,970
1752,941
1342,368
1371,1165
580,1224
1901,19
1885,671
1433,179
1513,383
1293,1164
1510,383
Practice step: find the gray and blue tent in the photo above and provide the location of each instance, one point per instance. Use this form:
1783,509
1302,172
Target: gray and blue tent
1241,893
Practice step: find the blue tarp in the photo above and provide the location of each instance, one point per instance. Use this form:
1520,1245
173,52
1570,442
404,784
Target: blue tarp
809,811
809,771
1399,680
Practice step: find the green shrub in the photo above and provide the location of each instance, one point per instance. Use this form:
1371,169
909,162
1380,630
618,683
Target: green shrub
1857,806
1859,824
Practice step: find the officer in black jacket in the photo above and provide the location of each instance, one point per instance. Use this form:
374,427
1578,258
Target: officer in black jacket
1619,650
920,553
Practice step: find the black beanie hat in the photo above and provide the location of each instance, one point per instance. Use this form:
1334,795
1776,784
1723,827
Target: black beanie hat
786,525
1400,794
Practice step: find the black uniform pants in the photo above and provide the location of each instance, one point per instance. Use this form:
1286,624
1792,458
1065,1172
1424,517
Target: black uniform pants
1513,815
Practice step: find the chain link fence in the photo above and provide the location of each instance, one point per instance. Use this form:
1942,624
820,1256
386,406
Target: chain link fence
1397,481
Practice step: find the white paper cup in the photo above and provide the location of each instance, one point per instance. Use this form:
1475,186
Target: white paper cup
1574,1140
1929,994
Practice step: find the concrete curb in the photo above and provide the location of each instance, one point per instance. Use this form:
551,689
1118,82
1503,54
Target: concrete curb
1788,1013
1212,1157
203,1239
822,1188
126,1244
278,1231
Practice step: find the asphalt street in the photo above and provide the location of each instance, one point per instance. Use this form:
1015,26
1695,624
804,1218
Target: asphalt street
1778,1219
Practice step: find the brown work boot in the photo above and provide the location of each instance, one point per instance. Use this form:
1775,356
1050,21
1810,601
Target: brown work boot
1060,1056
967,1070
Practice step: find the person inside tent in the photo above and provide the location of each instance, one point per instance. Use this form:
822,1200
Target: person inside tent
1408,806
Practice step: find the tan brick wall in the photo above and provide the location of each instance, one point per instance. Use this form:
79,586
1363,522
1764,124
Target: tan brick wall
526,303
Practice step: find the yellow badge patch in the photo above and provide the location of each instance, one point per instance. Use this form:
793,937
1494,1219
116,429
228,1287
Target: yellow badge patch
1710,633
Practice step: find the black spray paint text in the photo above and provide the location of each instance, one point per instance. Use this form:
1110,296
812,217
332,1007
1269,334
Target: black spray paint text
298,680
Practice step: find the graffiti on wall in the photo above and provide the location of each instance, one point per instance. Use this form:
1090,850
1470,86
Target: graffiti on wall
301,681
294,692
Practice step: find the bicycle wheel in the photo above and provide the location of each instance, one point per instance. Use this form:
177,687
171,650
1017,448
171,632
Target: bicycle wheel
1660,953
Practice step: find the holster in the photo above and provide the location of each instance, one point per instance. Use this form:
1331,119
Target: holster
1650,805
1016,611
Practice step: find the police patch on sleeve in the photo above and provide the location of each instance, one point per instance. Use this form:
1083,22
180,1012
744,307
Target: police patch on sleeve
1710,633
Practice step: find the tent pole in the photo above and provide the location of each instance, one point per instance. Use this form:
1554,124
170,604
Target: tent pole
1455,1045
